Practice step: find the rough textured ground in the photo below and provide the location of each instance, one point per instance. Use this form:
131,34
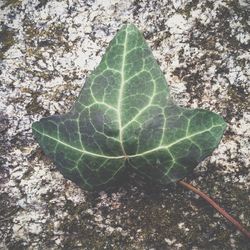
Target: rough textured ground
48,48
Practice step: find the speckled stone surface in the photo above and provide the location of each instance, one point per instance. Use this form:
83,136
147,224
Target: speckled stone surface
47,49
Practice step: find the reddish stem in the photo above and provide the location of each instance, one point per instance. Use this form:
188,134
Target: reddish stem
217,207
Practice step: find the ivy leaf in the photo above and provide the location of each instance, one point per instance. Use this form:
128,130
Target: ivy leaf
124,118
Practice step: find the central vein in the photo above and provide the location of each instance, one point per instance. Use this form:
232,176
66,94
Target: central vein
119,112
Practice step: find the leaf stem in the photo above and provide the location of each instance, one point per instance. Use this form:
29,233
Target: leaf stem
217,207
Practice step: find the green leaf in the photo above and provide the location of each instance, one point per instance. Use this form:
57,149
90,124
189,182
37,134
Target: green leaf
124,118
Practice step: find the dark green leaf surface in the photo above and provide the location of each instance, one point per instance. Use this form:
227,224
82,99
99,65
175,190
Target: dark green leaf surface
124,118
